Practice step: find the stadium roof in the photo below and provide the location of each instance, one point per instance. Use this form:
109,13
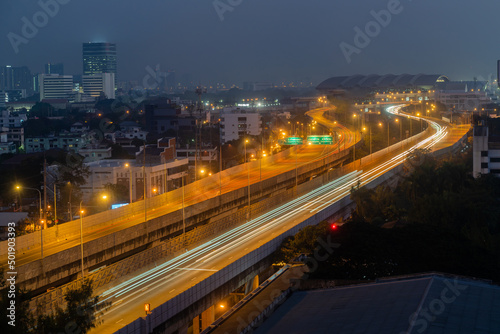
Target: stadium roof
375,81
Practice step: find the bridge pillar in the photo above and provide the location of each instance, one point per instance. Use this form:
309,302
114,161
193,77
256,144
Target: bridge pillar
252,285
205,319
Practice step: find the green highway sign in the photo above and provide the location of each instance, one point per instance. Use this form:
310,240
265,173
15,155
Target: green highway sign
294,141
320,140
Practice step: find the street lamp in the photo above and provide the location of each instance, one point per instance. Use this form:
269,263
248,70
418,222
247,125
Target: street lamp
248,176
388,136
41,220
127,165
81,235
400,131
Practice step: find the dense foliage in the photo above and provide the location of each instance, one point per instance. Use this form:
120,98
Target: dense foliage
438,218
80,314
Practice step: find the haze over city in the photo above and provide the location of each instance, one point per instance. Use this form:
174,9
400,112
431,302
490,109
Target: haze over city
282,40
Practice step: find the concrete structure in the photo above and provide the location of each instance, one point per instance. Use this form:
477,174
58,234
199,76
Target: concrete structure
437,303
12,95
12,119
7,147
163,171
100,83
18,106
57,68
14,135
162,116
127,133
91,154
486,150
9,217
99,58
66,141
238,123
54,86
381,83
79,127
462,95
16,78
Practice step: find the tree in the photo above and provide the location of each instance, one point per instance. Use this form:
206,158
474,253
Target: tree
118,192
80,314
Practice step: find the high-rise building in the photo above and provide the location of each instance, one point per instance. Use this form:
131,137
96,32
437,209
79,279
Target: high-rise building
96,84
99,58
51,68
16,78
54,86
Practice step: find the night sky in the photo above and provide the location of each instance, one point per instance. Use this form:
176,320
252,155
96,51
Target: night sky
261,40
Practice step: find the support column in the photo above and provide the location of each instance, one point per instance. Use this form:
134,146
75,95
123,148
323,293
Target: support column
208,317
252,285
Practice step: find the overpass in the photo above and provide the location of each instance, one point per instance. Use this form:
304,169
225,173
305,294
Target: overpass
116,234
195,280
171,249
245,253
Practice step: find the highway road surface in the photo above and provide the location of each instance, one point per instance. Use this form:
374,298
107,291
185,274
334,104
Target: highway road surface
165,281
306,154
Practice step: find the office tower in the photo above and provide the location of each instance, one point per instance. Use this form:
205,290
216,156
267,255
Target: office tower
16,78
51,68
99,58
96,84
54,86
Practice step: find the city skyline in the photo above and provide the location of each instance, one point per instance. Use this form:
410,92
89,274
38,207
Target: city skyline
233,44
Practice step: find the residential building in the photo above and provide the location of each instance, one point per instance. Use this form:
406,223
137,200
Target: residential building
238,123
100,83
163,172
162,116
79,127
486,148
14,135
66,141
95,153
7,147
55,86
12,119
99,58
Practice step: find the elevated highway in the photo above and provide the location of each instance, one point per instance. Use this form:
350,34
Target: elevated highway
116,234
186,279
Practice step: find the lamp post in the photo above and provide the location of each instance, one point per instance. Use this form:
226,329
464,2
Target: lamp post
183,214
388,136
81,236
40,213
127,165
248,176
400,131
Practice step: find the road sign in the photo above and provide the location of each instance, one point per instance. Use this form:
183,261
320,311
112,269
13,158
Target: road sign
320,140
294,141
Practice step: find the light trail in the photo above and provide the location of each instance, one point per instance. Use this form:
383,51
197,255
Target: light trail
171,271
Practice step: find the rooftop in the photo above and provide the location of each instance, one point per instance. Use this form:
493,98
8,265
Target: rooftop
441,304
